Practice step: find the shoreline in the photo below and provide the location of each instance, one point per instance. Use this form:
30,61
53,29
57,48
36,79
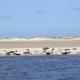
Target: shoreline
28,47
39,51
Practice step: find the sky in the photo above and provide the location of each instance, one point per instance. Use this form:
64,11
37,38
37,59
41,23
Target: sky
22,18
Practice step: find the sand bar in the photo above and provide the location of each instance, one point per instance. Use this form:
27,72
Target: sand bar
35,46
39,44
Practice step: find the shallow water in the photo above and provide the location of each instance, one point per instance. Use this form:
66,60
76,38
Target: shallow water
40,67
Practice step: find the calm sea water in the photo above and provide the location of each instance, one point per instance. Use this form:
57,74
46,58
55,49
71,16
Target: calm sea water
40,68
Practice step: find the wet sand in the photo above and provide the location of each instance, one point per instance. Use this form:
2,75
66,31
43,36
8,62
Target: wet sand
40,44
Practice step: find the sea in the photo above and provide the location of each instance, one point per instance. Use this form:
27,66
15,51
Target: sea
48,67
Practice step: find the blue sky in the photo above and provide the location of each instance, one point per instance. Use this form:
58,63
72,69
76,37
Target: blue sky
39,18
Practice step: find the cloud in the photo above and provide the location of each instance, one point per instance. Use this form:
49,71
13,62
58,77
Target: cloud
77,8
6,17
41,11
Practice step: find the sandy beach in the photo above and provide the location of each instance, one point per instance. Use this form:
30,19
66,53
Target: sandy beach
39,44
54,46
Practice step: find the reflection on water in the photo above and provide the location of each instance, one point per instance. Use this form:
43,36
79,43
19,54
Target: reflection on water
40,68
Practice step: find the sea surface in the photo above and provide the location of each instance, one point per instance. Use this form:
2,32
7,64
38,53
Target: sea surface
61,67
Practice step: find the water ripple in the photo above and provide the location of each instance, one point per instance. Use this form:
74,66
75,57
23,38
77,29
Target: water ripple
40,68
